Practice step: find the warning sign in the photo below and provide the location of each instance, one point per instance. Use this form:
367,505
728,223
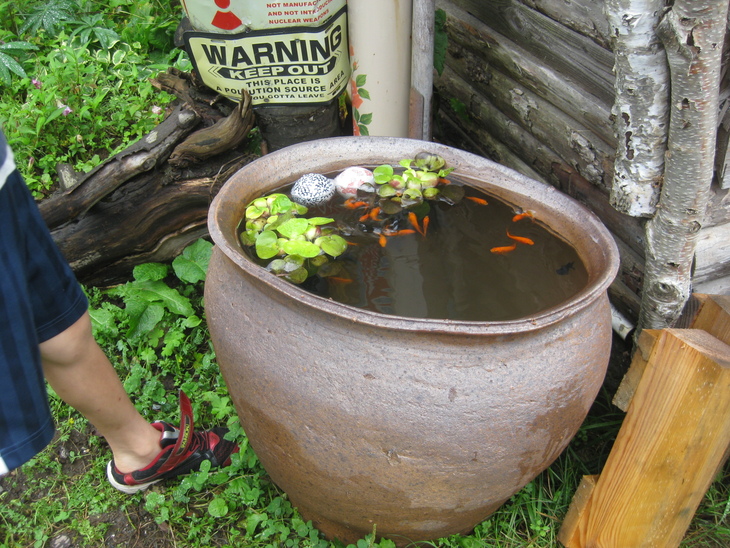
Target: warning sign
234,16
286,66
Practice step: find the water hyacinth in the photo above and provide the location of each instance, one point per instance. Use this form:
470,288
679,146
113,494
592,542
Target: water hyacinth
298,246
419,180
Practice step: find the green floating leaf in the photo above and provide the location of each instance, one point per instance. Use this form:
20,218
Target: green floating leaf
280,204
293,227
317,221
383,174
333,245
298,276
301,247
267,244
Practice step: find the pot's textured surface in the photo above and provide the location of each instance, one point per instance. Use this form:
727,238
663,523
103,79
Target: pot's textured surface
421,427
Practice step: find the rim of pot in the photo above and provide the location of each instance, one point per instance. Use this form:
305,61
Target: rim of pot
568,218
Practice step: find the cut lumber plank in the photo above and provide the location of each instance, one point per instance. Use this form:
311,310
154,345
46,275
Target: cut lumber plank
667,452
711,313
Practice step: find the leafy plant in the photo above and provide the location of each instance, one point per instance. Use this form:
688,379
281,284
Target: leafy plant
49,16
90,27
299,246
8,62
419,181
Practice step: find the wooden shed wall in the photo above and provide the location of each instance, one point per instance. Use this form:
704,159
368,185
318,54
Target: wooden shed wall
530,85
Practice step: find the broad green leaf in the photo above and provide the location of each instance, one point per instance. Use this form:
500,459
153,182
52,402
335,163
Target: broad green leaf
254,212
218,507
150,272
280,204
293,227
157,291
49,16
267,244
298,276
146,321
317,221
102,320
301,247
361,80
333,245
192,265
383,174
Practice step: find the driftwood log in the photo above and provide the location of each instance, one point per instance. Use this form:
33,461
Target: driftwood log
149,201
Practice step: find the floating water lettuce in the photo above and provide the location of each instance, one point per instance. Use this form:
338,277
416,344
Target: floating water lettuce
299,246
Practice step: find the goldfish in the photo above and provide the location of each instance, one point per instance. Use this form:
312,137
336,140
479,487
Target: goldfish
520,239
365,217
523,215
480,201
426,220
404,232
414,221
351,203
382,240
374,213
504,249
340,280
444,181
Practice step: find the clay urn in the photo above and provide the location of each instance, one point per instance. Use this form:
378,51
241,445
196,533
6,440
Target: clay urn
419,427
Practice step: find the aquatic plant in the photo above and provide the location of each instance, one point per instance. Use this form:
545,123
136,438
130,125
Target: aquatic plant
299,246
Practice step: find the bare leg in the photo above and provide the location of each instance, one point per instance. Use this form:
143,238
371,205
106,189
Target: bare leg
80,373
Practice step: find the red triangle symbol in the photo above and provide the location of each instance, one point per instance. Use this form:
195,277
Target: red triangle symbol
226,20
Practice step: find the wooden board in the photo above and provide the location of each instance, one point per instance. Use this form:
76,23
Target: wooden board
672,442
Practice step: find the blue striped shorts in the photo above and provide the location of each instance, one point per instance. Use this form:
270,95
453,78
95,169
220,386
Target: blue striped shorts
39,298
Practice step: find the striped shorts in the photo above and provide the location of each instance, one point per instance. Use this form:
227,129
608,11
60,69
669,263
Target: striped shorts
39,298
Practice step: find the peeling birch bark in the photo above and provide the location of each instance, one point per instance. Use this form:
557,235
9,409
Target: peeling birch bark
692,33
640,110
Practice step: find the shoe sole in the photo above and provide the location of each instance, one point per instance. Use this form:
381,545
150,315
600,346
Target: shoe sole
128,489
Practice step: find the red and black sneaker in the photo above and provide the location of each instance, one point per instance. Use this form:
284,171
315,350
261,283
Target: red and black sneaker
183,451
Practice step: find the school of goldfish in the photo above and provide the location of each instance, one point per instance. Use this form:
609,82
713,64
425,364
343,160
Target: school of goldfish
421,226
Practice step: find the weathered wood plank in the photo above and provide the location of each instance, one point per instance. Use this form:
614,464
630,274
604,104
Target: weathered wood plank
487,145
483,48
712,254
583,16
579,58
628,229
529,125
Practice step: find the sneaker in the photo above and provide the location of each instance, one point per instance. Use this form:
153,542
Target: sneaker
183,451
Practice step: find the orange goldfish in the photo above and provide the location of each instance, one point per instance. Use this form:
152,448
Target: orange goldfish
340,280
414,221
480,201
426,220
520,239
382,240
523,215
374,213
504,249
351,203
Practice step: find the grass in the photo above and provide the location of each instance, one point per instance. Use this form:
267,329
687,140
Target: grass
74,88
62,492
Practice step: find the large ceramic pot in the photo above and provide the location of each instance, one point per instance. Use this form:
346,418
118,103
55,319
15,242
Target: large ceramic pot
422,427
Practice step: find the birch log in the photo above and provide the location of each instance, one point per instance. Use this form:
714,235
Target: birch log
693,34
640,108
